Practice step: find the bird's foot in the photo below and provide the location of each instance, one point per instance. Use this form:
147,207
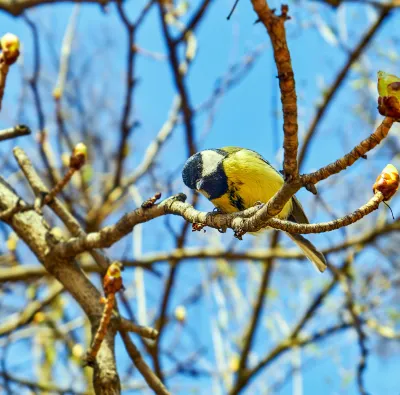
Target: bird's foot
239,233
197,227
258,203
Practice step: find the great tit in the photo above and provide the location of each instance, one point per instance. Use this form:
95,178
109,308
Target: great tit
235,179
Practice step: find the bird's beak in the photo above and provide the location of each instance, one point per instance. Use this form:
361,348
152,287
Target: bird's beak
199,184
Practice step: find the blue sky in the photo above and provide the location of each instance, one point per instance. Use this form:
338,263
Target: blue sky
245,117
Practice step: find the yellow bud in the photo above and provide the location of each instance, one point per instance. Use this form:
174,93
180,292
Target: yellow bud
77,350
9,41
12,241
112,281
180,313
80,149
103,300
387,182
10,46
114,270
39,317
191,45
78,157
234,363
57,93
386,331
385,79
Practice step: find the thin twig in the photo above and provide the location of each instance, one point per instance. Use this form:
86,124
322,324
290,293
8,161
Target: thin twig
30,310
144,331
258,307
179,82
16,131
151,379
340,78
193,22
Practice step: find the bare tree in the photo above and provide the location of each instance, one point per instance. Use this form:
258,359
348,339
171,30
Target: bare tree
83,179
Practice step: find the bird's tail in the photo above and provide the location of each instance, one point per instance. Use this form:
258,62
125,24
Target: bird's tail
310,251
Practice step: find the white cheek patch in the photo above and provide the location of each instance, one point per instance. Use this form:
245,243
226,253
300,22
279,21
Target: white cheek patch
210,160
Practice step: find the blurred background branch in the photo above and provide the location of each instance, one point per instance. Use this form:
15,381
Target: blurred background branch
143,85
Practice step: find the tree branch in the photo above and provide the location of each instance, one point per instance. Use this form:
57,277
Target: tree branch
17,7
276,30
340,78
151,379
35,232
30,310
16,131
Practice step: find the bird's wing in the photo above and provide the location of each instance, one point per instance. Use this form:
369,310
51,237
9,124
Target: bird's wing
298,215
232,150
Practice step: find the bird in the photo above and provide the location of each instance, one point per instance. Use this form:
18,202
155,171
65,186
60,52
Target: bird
235,178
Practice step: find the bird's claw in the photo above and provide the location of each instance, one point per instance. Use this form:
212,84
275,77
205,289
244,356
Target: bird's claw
258,203
197,227
239,234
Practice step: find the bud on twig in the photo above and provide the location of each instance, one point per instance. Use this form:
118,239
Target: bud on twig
389,94
112,283
77,160
78,157
9,44
151,201
387,182
180,313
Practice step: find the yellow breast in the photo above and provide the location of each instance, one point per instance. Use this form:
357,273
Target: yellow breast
250,180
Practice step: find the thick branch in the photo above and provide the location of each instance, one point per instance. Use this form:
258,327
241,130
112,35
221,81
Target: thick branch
34,231
276,30
17,7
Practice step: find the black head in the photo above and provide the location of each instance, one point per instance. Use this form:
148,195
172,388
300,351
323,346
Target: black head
204,172
192,170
